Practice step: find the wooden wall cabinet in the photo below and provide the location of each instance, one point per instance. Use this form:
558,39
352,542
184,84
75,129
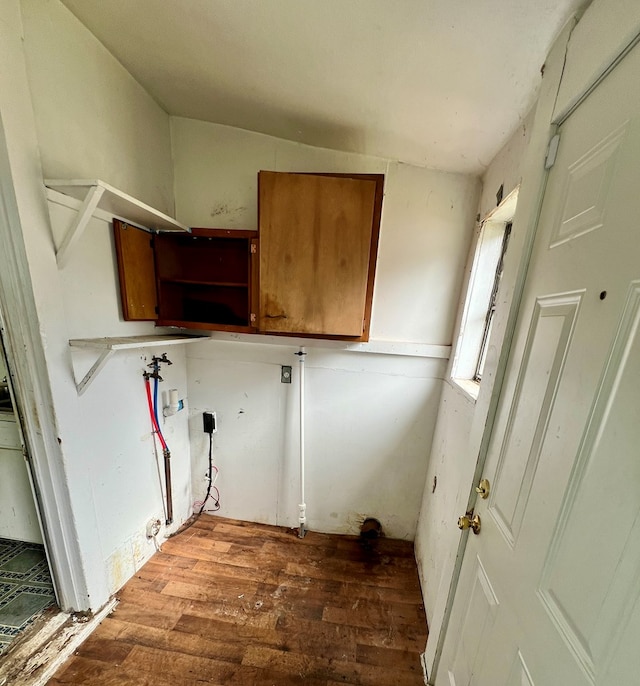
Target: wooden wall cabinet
318,248
206,279
312,275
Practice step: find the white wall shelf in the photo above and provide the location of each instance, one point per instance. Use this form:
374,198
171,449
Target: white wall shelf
95,194
106,347
399,348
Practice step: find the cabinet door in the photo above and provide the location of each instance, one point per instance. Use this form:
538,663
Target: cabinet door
136,271
318,243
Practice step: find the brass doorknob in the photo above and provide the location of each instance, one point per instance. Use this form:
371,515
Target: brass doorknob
470,522
483,488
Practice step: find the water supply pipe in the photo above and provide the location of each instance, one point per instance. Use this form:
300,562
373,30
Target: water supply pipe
153,411
302,507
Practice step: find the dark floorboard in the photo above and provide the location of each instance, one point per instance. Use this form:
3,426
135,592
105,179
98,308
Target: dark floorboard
230,602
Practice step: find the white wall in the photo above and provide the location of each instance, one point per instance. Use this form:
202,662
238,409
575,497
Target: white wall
370,417
369,424
92,121
107,127
452,457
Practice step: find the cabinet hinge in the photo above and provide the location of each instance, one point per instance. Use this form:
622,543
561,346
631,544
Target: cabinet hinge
552,152
254,248
252,317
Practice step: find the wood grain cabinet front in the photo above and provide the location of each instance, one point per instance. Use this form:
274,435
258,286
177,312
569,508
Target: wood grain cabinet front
318,248
202,280
311,272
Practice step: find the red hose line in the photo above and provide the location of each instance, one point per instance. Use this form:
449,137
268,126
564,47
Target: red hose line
153,416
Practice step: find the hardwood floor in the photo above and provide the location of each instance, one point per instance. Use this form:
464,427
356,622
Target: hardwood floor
230,602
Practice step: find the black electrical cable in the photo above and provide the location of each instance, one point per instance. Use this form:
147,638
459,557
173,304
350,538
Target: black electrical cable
210,477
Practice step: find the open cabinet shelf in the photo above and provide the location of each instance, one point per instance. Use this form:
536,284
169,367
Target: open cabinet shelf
196,282
202,280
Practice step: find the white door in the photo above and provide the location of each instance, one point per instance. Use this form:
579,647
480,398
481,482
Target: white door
18,516
549,589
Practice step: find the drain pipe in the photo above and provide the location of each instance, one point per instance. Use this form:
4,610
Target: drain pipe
302,507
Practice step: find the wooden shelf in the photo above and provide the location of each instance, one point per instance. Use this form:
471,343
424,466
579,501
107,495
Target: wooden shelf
95,194
181,324
200,282
128,342
108,346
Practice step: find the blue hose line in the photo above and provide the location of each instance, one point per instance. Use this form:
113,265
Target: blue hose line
155,399
155,406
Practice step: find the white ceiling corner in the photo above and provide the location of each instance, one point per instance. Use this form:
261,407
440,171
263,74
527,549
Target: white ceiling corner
439,83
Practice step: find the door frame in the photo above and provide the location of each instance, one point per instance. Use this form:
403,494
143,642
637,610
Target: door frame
34,409
530,216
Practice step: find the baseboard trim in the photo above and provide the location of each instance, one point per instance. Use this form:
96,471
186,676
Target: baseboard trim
423,662
37,658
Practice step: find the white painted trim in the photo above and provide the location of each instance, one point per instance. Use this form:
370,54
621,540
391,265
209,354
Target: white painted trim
596,78
468,387
30,381
132,342
506,210
484,257
371,347
35,661
425,672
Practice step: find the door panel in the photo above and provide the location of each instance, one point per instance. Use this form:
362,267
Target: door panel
587,184
136,271
519,675
481,610
541,367
18,515
606,469
558,542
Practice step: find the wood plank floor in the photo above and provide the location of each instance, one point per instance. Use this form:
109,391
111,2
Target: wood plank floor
230,602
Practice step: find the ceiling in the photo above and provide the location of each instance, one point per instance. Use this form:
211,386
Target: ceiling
439,83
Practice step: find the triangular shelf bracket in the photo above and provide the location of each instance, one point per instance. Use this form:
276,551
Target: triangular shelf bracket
106,347
98,195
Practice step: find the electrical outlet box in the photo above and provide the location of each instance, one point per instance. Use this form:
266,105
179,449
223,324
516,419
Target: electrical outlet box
209,423
285,374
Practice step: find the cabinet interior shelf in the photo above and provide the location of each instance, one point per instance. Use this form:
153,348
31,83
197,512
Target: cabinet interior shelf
200,282
106,347
98,195
182,324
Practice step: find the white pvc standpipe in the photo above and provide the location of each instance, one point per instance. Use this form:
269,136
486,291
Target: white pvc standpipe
302,507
